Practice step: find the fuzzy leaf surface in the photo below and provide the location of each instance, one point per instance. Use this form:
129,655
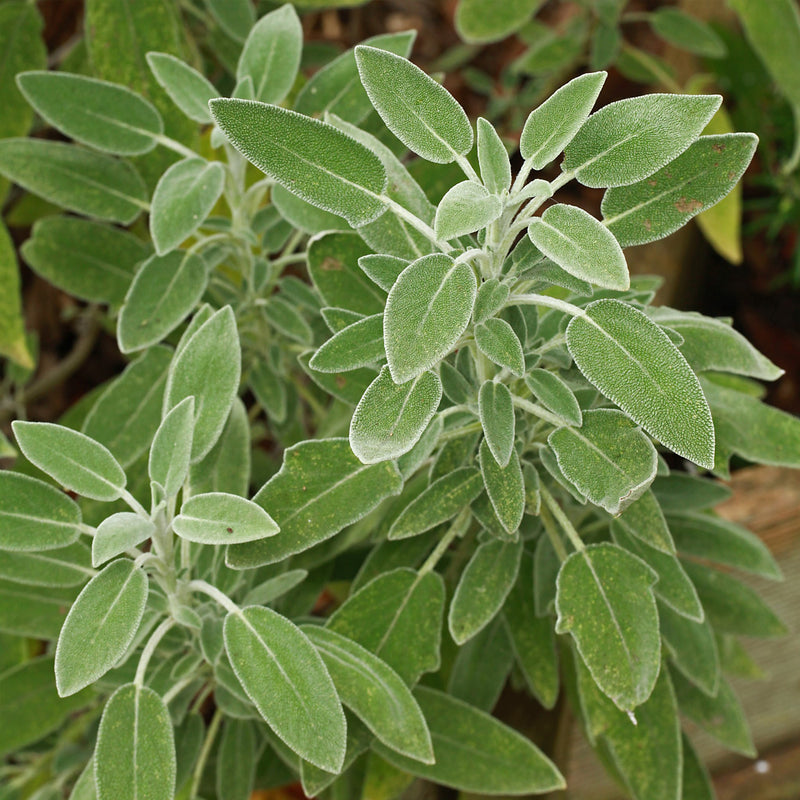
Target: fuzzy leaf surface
220,518
286,679
629,139
467,207
498,342
170,453
100,626
496,411
358,345
476,22
187,88
633,363
505,487
555,395
308,157
427,310
118,533
493,158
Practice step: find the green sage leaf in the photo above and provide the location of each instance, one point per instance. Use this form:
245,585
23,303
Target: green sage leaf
611,344
170,453
420,112
286,679
630,139
74,460
427,310
100,626
498,342
497,419
118,533
493,158
187,88
687,32
389,419
467,207
505,487
555,395
220,518
692,648
106,116
236,760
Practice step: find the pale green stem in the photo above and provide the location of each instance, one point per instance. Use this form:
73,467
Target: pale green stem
214,593
150,648
134,504
545,300
293,258
211,734
536,410
176,147
457,529
467,168
413,220
562,519
177,688
552,534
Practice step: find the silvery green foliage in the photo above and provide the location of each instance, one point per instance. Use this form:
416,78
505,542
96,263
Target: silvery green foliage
460,420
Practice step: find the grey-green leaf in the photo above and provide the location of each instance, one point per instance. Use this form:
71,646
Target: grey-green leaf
118,533
630,139
220,518
496,411
375,693
100,626
73,459
555,395
392,610
644,519
106,116
286,679
476,752
505,487
437,503
550,127
236,760
498,342
389,419
687,32
170,453
427,310
208,368
483,587
467,207
308,157
183,198
321,488
271,54
94,184
35,515
609,458
358,345
187,88
493,158
633,363
135,753
580,245
605,600
419,111
693,182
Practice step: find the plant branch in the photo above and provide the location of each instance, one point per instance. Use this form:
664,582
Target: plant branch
562,519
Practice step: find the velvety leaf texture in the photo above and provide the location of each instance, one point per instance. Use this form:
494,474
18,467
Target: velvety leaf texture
611,345
358,345
505,487
187,88
497,419
630,139
220,518
419,111
466,208
389,419
478,21
605,601
493,158
308,157
321,488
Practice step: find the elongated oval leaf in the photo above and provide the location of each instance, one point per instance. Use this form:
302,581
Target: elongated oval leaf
107,116
208,368
135,753
168,464
497,419
476,752
695,181
90,260
633,363
396,608
493,158
220,518
505,487
183,198
62,567
609,459
236,760
118,533
498,342
286,679
358,345
35,515
483,587
467,207
555,395
644,519
321,488
605,601
420,112
550,127
389,419
308,157
93,184
630,139
375,692
271,54
478,22
687,32
580,245
77,462
100,626
127,414
187,88
437,503
692,648
427,310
